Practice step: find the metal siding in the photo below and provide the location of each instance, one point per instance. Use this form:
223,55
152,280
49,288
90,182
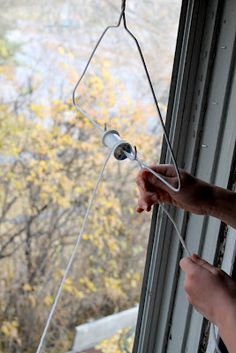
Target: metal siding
218,130
203,127
163,273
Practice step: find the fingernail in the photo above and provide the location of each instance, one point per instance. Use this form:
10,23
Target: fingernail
195,257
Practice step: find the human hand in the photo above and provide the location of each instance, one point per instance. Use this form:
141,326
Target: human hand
194,196
213,293
210,290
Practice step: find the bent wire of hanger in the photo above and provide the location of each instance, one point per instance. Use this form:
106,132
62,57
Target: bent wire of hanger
122,18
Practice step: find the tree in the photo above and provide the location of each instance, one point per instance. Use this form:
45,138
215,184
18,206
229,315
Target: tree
51,157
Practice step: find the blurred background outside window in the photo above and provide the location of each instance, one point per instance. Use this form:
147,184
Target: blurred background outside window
51,155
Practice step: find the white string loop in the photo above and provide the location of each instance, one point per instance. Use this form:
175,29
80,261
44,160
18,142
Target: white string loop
133,156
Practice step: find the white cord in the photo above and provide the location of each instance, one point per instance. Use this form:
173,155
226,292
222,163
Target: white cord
134,157
177,230
72,257
142,165
159,176
217,349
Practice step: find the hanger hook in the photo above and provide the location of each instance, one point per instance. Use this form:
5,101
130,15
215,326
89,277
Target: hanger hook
123,6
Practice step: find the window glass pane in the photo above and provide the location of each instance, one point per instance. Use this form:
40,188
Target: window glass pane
51,157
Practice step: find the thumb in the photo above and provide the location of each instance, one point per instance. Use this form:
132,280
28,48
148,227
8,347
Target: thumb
156,183
203,263
188,265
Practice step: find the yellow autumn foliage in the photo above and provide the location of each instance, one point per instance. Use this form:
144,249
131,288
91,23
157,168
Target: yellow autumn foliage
121,342
10,329
52,157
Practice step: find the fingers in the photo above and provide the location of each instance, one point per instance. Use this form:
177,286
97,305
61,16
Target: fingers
146,200
204,263
167,170
141,180
187,264
147,181
151,189
141,209
194,262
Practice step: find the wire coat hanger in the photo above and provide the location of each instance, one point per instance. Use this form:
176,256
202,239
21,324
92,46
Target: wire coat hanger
122,19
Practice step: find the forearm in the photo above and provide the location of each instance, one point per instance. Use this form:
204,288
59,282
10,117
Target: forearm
223,205
227,329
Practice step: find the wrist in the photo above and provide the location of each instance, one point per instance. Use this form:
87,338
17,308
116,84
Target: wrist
209,200
222,205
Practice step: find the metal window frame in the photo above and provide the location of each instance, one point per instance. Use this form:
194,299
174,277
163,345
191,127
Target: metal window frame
201,101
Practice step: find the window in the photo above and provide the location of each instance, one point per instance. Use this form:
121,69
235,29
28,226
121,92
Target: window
51,157
201,116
